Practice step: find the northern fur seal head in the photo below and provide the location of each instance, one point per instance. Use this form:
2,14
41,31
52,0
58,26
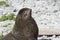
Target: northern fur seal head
24,14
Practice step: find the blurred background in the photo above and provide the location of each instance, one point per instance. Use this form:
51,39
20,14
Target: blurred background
45,12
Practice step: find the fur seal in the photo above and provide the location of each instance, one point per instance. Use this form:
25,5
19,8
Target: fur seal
25,27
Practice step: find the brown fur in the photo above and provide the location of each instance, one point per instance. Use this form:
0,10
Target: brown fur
25,27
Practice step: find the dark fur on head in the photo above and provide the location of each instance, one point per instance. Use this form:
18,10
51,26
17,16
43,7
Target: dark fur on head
25,13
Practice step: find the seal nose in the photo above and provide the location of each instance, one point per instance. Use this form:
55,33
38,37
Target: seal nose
28,11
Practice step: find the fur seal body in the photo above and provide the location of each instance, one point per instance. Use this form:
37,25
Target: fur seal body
25,27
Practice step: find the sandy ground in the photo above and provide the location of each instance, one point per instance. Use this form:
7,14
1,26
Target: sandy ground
49,31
